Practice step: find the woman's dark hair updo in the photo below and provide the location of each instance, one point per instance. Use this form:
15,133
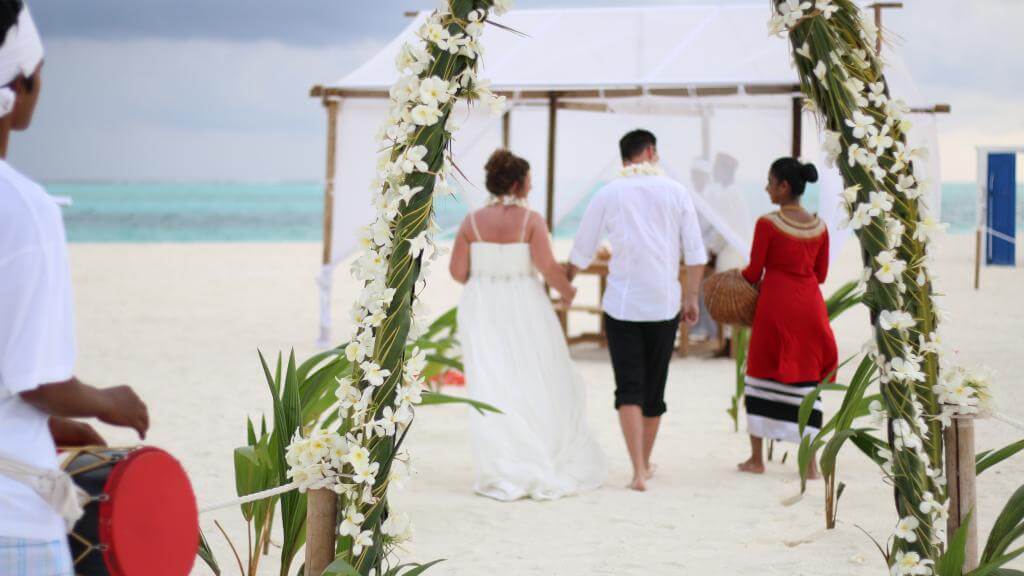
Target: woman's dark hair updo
9,12
795,172
505,169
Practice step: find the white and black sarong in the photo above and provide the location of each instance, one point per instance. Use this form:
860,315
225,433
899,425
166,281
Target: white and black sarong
773,409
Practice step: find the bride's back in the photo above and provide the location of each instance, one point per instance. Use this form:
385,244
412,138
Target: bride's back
499,247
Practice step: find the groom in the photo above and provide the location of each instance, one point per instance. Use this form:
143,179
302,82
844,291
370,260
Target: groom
652,226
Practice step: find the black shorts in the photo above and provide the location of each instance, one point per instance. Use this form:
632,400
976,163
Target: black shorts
641,352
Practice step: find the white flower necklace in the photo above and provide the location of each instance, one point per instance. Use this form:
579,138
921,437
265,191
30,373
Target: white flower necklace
508,200
642,169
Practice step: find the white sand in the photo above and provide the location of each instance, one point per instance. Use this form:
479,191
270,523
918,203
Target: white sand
182,323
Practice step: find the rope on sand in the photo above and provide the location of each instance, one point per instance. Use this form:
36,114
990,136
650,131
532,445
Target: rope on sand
250,498
1007,420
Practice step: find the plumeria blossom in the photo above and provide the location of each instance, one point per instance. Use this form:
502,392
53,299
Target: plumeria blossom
860,124
896,320
820,70
397,526
826,7
833,147
906,527
360,541
792,11
910,564
890,268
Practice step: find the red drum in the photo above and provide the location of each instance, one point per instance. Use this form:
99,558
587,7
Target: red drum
142,519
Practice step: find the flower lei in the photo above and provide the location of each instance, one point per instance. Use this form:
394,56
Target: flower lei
508,200
641,169
361,455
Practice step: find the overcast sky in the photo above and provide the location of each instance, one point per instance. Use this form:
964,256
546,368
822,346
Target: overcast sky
218,89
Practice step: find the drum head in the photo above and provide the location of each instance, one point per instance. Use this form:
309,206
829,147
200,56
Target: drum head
151,522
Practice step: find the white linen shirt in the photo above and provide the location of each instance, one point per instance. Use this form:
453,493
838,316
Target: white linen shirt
37,343
652,226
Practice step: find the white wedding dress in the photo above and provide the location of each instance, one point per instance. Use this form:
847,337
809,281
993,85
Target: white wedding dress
516,359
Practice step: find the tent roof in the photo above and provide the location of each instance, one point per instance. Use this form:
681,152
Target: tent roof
668,50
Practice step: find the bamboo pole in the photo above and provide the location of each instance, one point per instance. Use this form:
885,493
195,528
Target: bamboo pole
505,127
961,476
321,528
332,145
798,126
977,259
552,135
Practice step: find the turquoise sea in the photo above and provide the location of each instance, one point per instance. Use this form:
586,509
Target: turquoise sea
292,212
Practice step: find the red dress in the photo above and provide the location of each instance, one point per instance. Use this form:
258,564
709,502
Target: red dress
791,341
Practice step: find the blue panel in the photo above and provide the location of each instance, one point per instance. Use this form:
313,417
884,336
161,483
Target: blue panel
1002,209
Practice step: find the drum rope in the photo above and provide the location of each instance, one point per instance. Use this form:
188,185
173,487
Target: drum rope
250,498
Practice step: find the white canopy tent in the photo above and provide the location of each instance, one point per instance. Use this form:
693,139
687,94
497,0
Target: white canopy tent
707,80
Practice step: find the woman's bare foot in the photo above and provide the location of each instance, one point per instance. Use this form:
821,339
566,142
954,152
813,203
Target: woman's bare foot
751,466
651,469
812,471
638,483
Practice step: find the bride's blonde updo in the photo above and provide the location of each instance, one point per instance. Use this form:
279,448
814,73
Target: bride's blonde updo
504,170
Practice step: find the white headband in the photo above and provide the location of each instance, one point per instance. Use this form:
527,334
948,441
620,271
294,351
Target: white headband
20,55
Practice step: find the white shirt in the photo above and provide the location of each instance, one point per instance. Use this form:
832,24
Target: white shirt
37,343
653,227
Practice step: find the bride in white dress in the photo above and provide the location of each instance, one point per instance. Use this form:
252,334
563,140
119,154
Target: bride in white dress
515,355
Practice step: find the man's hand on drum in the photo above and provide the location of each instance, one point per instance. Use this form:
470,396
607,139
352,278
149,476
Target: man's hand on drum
117,406
125,408
69,433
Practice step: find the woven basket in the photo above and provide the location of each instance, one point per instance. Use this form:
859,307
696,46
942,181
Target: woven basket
730,299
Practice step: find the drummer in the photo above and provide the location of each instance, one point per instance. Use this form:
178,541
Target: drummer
38,392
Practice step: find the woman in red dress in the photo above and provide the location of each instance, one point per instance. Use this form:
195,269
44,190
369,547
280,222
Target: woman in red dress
792,348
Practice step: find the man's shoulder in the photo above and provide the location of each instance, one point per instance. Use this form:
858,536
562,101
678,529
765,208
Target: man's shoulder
24,209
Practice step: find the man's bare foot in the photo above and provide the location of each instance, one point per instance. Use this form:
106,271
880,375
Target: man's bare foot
651,469
638,483
812,471
751,466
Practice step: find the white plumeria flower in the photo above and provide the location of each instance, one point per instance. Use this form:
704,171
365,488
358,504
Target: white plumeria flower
850,194
405,89
894,230
906,370
860,124
905,184
890,268
396,526
355,352
820,70
861,217
877,93
426,115
855,154
374,374
792,11
413,160
502,6
833,147
827,8
804,50
906,527
353,522
412,394
497,105
879,140
362,540
419,244
347,394
910,564
878,414
434,90
368,476
896,320
406,193
879,202
381,232
359,458
928,229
